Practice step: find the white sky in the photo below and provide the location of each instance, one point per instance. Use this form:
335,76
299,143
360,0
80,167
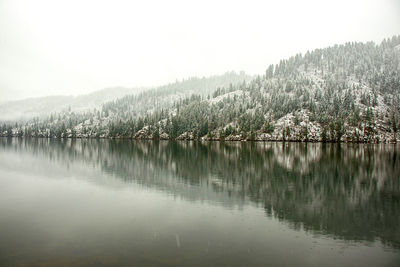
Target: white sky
50,47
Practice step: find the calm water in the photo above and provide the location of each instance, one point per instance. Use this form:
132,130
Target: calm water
123,203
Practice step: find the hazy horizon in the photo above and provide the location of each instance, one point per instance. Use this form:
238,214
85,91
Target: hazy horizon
73,48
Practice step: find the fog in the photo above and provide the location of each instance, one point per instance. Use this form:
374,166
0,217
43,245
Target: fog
75,47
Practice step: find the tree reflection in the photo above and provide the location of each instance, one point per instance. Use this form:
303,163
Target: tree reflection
350,191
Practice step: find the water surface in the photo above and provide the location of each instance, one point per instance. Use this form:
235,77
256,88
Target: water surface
123,203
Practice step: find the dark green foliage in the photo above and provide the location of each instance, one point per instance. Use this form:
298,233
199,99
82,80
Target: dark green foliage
269,127
324,136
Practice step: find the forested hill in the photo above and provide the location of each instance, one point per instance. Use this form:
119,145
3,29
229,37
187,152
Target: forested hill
348,92
41,107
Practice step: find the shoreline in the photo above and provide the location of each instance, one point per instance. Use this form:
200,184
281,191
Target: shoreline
393,142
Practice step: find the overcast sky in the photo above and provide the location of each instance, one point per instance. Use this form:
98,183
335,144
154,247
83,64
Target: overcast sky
73,47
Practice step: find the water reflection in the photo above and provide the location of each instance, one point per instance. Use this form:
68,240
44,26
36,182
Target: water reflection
350,192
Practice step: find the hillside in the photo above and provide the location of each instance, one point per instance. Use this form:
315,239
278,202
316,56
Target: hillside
41,107
347,92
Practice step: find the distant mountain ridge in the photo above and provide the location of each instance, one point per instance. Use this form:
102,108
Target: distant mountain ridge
29,108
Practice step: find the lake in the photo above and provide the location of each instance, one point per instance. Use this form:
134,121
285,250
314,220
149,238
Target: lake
149,203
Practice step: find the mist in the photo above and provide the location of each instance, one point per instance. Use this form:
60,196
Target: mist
75,47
